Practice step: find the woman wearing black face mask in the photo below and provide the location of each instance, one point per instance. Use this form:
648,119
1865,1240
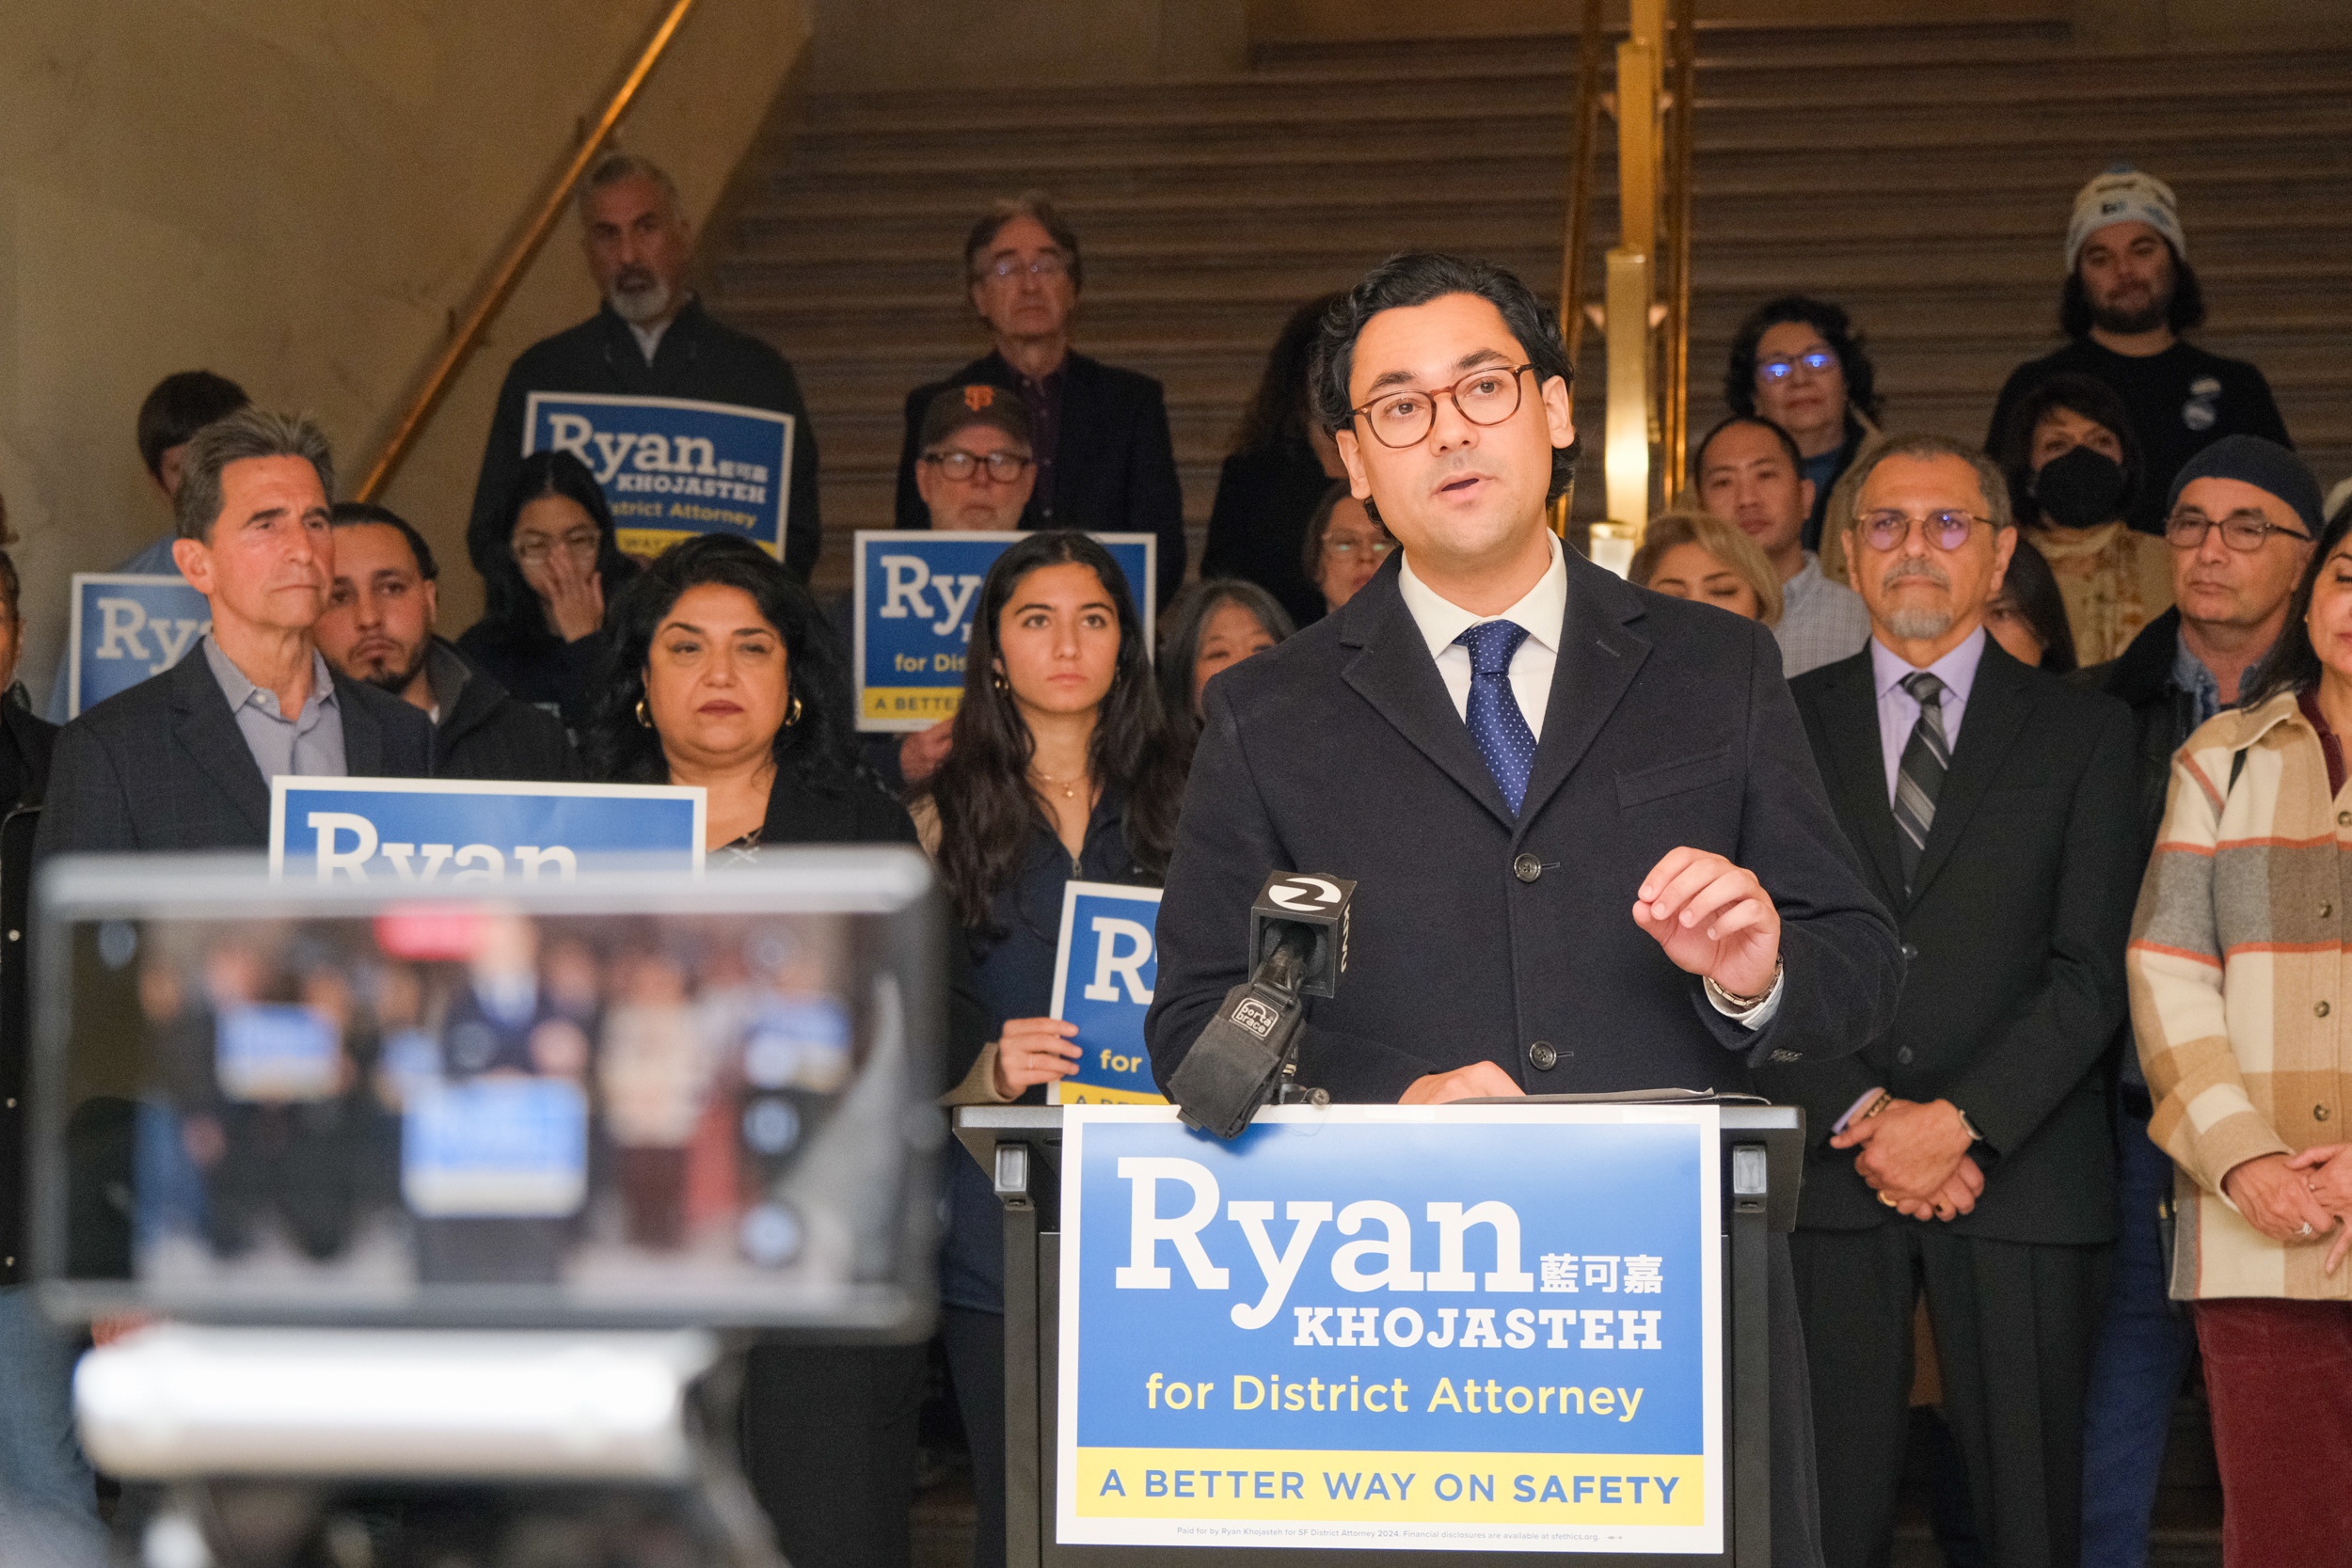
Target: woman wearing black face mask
2074,466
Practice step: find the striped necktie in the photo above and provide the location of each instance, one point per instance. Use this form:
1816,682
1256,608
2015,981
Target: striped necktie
1919,777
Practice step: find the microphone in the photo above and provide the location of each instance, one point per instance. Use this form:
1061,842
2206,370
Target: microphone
1298,930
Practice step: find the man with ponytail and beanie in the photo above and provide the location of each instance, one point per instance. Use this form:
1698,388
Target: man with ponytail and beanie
2231,584
2129,294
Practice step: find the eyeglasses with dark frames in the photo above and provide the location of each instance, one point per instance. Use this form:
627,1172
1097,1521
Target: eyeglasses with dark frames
958,465
1820,362
2244,529
1945,531
1403,417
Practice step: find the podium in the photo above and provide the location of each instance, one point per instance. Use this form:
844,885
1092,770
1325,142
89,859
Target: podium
1022,1149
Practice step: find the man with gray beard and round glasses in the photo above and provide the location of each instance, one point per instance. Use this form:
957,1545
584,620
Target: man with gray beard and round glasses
1964,1155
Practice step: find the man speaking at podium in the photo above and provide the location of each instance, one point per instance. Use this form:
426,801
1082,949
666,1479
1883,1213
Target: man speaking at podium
1591,847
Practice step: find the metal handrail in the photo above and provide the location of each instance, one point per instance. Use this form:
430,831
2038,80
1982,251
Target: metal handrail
1682,142
1588,53
520,257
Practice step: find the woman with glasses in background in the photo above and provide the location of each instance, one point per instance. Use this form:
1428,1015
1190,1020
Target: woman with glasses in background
549,559
1343,547
1798,362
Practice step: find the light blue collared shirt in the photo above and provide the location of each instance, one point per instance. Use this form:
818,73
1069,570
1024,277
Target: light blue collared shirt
2190,674
1899,711
310,744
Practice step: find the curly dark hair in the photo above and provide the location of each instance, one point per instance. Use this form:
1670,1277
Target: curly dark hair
616,748
1278,411
1837,330
510,609
2185,313
1406,280
987,806
2085,395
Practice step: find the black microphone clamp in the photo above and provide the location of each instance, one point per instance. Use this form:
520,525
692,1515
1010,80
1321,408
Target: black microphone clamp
1246,1056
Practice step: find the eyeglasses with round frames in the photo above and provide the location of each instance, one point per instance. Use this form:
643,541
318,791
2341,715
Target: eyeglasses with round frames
1346,548
1045,263
1405,417
2246,532
958,465
1820,362
1945,531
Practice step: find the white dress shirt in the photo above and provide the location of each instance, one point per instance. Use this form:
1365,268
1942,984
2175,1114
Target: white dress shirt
1543,612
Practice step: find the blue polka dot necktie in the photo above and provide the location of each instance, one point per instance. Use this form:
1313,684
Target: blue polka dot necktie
1493,712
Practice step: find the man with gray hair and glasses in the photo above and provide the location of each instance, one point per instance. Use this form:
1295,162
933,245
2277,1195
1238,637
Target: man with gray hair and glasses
650,339
184,761
1963,1155
1098,434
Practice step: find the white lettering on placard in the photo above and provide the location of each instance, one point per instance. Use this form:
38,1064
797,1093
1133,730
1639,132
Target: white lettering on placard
1146,1230
483,862
570,433
1305,1218
121,621
1453,1223
1127,964
905,578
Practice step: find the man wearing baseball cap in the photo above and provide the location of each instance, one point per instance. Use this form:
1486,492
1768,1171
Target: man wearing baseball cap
2129,294
976,470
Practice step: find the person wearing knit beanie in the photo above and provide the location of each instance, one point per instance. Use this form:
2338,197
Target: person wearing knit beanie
2129,295
2268,467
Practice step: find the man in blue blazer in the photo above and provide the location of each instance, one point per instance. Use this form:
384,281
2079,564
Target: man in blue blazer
1591,847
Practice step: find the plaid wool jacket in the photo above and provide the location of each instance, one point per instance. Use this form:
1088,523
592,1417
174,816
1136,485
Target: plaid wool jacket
2241,987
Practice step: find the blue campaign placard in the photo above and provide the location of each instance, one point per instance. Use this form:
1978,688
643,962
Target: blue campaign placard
673,467
507,1147
128,629
1105,967
915,594
1476,1328
466,835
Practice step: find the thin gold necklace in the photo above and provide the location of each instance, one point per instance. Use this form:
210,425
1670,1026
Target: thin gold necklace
1069,787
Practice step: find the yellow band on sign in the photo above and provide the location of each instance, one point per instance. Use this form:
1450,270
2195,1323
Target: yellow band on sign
654,541
1095,1094
1380,1486
912,702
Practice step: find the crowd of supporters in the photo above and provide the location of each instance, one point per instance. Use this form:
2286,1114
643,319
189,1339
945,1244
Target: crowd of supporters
2115,641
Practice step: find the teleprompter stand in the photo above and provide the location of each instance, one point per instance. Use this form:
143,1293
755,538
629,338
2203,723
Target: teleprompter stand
1020,1148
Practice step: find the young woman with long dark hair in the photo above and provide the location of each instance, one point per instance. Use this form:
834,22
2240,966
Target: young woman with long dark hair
1061,769
549,563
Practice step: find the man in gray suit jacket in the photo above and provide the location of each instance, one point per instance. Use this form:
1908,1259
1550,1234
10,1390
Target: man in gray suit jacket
184,761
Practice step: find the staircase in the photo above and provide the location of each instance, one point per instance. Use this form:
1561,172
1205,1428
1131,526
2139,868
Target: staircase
1920,176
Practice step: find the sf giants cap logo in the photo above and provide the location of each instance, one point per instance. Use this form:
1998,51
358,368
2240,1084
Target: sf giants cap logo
979,398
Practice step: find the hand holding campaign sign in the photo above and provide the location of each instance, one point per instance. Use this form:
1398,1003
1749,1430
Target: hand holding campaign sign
1365,1327
673,467
915,595
1106,948
465,834
128,629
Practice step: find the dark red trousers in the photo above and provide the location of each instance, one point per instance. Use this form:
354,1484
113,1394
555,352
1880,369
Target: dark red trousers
2279,1374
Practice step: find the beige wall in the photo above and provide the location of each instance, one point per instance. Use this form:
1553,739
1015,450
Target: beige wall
300,194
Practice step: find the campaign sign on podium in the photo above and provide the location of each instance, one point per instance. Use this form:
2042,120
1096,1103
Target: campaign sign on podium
916,595
467,835
1468,1328
673,467
128,629
1105,967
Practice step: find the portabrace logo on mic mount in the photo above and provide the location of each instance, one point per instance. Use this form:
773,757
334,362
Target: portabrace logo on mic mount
1312,900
